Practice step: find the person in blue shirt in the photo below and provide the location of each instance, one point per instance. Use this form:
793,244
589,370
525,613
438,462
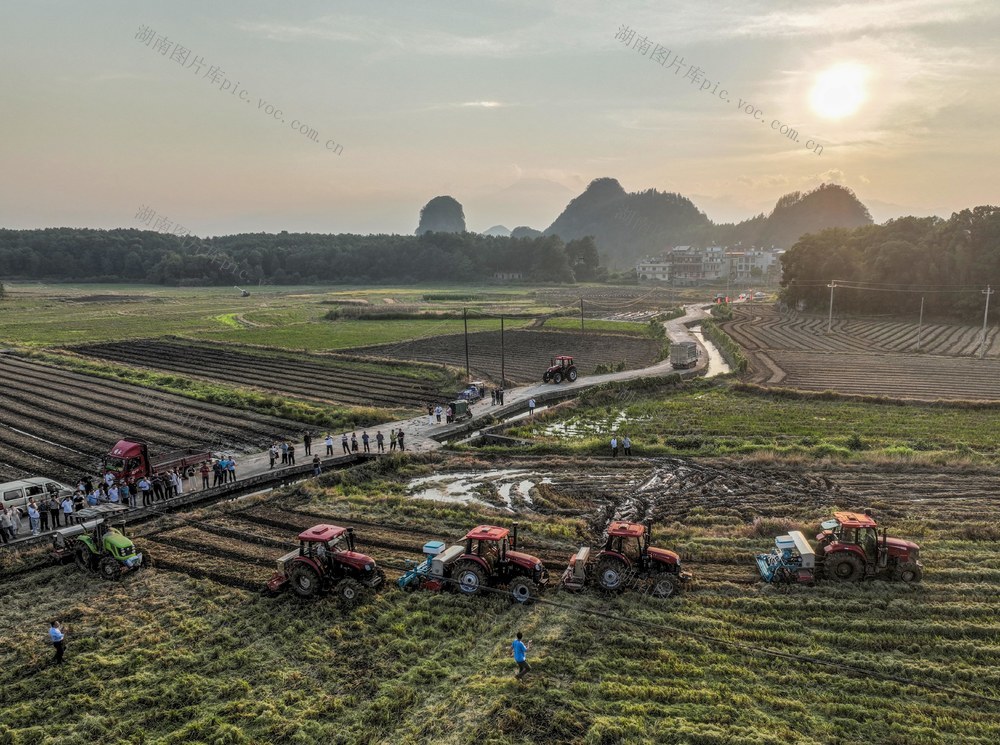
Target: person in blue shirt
58,640
519,650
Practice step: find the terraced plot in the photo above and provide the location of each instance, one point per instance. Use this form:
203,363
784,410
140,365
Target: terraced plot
313,377
868,357
58,423
527,352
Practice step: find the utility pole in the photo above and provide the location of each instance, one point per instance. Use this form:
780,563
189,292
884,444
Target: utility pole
982,346
920,325
503,376
465,322
829,320
581,315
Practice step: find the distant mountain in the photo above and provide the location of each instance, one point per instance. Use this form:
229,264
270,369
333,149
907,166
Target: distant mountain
523,231
501,231
628,226
442,215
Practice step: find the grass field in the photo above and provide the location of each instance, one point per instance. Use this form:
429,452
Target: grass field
716,419
162,657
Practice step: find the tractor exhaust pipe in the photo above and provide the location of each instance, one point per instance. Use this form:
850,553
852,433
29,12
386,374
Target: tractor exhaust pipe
648,532
513,538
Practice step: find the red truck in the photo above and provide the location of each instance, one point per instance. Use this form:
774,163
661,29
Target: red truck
130,459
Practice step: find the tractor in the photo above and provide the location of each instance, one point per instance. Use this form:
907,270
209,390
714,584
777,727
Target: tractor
97,546
326,561
852,547
488,558
562,368
627,557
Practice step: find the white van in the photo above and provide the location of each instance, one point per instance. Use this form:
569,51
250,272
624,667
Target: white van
17,493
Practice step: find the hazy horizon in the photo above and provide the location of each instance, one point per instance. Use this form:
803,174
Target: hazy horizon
512,108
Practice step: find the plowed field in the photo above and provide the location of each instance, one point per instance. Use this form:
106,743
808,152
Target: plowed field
58,423
528,352
868,357
313,377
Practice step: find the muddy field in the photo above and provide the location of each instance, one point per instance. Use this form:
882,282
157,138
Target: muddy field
528,352
59,423
313,377
867,357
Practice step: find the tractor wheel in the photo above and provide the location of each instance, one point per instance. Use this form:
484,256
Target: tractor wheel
557,378
350,592
469,577
665,585
82,557
523,590
611,574
844,568
571,375
908,572
304,580
109,568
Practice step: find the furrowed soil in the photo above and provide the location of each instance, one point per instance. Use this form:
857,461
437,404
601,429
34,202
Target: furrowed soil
528,353
191,651
60,423
867,356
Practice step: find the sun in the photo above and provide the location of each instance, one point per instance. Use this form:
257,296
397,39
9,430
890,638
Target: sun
839,91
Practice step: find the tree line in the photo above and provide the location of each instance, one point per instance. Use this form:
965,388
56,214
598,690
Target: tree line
888,268
129,255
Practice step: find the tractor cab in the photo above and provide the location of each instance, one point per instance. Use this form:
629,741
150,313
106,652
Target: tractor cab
856,530
630,541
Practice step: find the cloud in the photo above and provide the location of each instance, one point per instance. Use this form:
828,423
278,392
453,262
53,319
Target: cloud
483,104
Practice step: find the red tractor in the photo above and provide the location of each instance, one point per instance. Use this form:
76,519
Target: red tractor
490,558
326,561
562,368
853,547
626,558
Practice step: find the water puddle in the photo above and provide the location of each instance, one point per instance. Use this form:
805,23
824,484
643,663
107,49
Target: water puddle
511,485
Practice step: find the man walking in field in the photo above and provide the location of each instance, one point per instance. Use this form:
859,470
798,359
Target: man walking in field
519,650
58,639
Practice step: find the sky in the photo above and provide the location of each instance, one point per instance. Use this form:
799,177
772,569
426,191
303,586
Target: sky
191,111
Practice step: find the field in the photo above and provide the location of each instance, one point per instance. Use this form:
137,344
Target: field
73,419
871,357
188,652
528,352
710,418
312,377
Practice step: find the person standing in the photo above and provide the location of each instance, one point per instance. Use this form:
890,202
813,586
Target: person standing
343,444
430,415
272,454
317,466
78,502
437,413
54,511
329,444
58,639
392,440
354,442
531,407
231,469
493,396
627,445
43,511
519,651
67,510
34,516
205,470
449,415
307,443
364,440
380,441
284,453
399,436
501,395
291,456
6,530
614,446
145,486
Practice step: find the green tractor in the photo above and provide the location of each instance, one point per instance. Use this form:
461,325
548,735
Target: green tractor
96,545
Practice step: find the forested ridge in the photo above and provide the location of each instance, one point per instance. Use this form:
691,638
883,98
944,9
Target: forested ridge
129,255
888,268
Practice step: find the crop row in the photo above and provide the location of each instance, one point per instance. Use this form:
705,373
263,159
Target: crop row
303,376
